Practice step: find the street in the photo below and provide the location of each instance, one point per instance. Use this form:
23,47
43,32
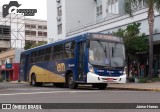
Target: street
24,93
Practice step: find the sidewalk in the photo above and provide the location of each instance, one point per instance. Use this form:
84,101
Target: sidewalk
155,86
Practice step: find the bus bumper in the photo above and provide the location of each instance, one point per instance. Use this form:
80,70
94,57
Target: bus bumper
94,78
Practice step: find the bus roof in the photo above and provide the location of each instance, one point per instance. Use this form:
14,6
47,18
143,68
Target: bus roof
76,38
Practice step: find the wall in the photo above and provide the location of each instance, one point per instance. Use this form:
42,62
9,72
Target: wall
79,13
51,20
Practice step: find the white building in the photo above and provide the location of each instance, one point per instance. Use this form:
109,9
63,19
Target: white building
73,17
16,30
12,33
35,30
64,15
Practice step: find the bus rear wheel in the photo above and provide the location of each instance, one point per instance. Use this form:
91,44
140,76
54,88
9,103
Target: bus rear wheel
71,82
33,81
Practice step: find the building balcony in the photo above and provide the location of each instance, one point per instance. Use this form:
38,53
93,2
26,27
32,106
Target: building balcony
5,44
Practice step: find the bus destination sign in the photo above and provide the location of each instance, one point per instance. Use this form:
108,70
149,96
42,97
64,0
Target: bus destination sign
106,37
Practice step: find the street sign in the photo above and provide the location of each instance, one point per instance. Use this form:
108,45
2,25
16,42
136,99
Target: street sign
8,65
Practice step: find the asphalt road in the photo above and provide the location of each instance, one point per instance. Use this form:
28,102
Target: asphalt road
24,93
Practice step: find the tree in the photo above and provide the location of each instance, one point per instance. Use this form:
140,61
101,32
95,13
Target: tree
38,44
28,44
134,40
31,44
151,5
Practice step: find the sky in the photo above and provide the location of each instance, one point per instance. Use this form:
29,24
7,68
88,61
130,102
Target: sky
40,5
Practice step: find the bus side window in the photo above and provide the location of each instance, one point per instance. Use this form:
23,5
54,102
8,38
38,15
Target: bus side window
34,57
69,50
47,54
73,49
58,51
40,57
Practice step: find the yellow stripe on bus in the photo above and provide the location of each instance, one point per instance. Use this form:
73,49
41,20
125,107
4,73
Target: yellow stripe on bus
43,75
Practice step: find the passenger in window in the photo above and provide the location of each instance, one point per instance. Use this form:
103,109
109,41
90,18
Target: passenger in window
91,55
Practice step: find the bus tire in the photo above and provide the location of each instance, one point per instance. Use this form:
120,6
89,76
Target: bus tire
33,81
102,86
71,82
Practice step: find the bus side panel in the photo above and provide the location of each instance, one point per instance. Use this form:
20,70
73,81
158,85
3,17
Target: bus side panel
52,71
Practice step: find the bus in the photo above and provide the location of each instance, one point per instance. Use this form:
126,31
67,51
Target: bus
91,58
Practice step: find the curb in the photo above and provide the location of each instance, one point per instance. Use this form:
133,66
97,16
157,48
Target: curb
135,89
16,82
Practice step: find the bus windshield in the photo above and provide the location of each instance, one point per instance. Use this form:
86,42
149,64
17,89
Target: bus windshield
104,53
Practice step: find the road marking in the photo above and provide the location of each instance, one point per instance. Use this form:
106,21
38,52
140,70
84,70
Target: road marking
48,92
32,89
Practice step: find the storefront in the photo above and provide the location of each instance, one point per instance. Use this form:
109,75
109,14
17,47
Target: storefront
10,71
156,60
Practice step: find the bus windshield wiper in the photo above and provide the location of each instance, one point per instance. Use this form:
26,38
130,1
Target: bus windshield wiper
104,48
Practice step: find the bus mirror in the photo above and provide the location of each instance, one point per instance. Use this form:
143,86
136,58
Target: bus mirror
87,43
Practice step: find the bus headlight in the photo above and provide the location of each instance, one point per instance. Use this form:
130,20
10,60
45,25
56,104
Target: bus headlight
90,68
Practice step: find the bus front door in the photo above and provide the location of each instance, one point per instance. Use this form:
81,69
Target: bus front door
26,77
81,61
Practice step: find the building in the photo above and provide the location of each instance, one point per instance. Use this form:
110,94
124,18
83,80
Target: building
67,18
35,30
12,33
15,31
9,64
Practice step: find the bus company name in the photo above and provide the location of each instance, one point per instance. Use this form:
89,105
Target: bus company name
61,67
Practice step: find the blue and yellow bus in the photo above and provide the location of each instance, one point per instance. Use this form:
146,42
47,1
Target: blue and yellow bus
92,58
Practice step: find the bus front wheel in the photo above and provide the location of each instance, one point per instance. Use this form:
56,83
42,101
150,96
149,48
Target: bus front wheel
71,82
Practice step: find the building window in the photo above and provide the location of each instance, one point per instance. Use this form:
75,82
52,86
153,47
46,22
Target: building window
44,33
33,26
59,11
5,30
112,7
28,26
99,10
11,60
40,27
139,5
45,27
60,29
27,32
33,33
40,33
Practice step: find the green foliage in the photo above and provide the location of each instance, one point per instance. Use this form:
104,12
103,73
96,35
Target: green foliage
28,45
134,41
147,80
31,44
39,44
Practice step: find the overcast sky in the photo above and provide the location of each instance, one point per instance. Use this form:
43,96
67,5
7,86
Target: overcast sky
40,5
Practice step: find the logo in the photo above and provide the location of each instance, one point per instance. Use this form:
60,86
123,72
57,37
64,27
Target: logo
13,7
106,62
60,67
6,106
